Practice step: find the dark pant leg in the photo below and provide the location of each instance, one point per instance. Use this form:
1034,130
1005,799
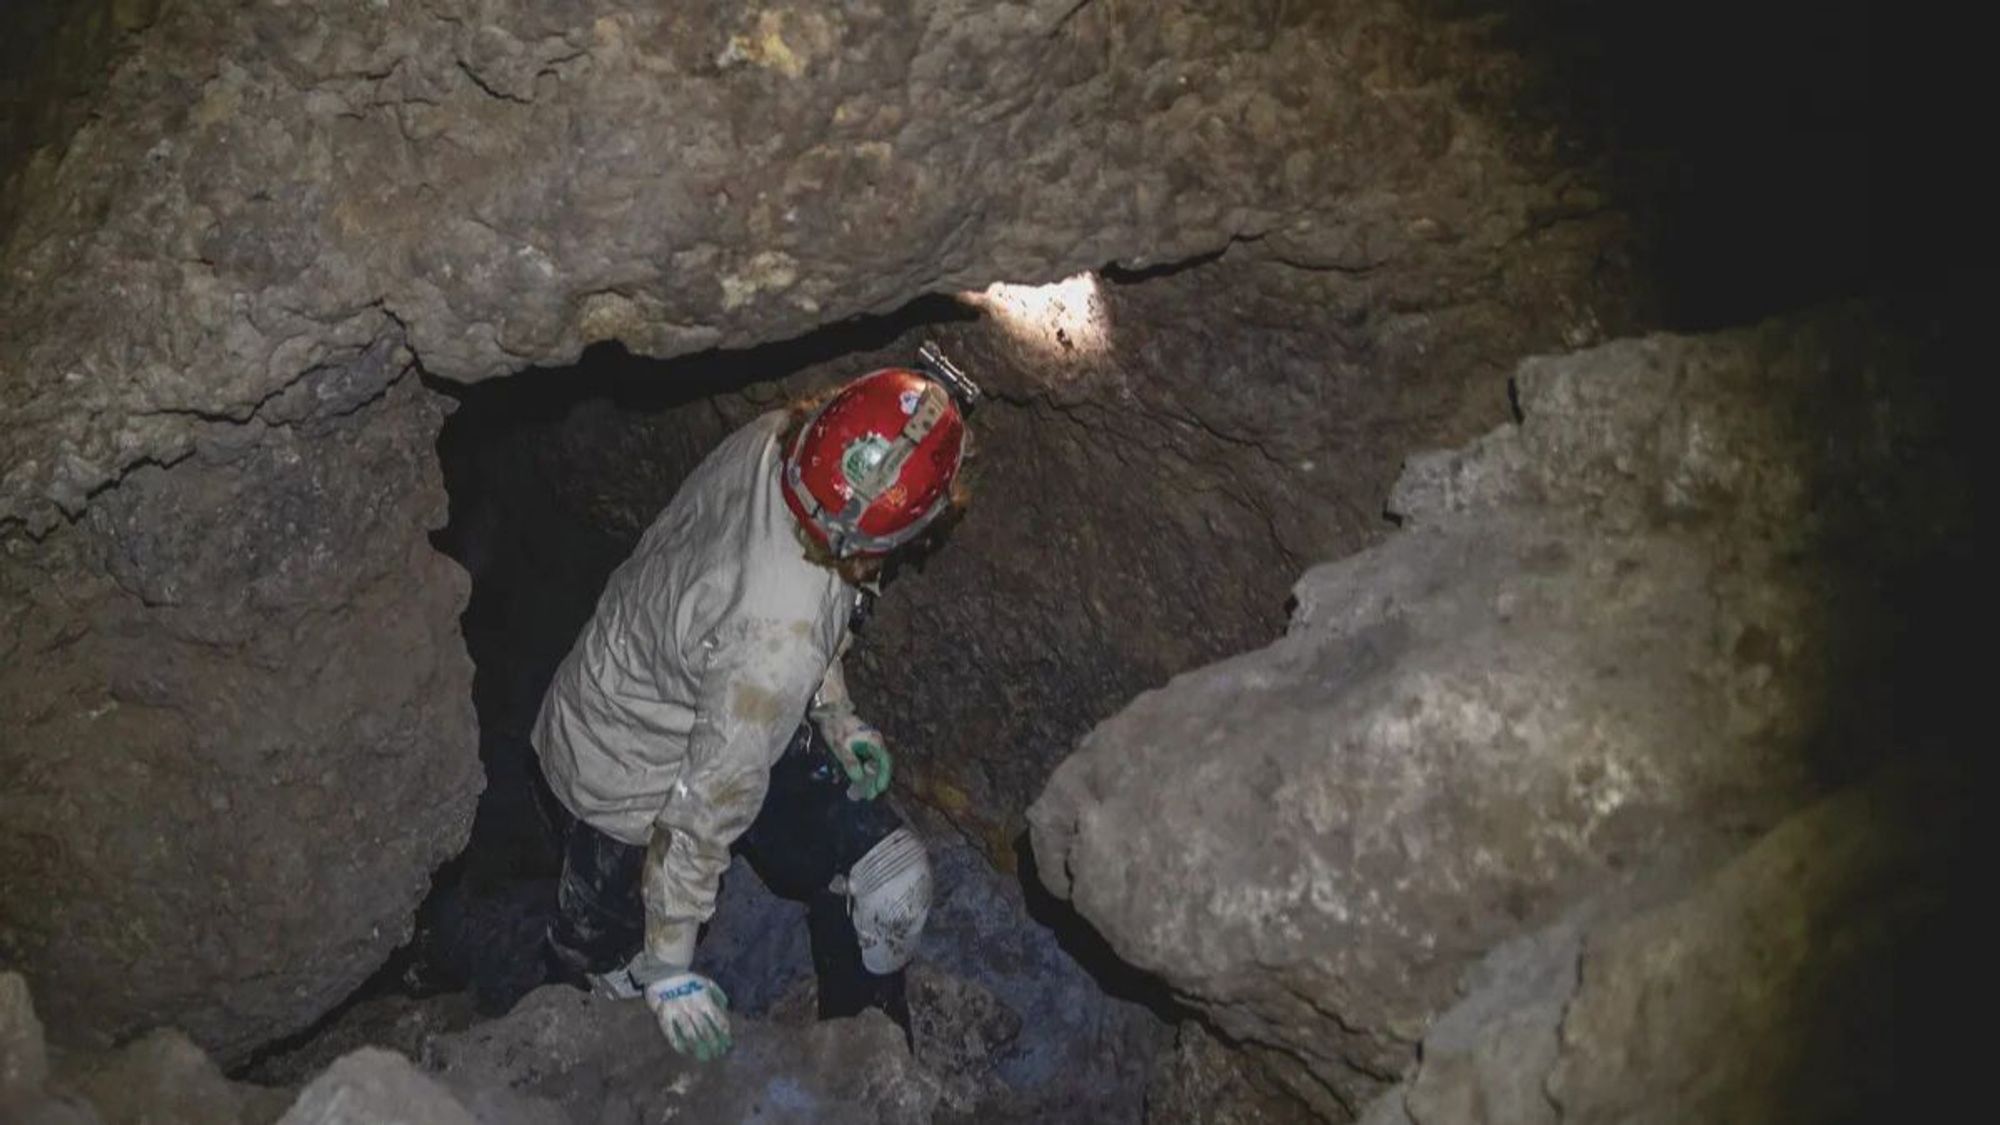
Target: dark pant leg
808,832
600,914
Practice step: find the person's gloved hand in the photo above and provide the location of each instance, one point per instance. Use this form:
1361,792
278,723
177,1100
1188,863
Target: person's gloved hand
862,753
693,1014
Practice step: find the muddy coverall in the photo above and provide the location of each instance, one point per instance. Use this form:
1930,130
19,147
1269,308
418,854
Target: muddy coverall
661,728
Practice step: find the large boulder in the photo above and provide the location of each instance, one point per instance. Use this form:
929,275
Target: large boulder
1604,644
161,1078
1808,979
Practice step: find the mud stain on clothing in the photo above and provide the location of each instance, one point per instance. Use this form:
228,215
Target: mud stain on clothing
759,706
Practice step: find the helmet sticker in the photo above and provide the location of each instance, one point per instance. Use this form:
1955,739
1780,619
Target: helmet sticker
908,401
862,457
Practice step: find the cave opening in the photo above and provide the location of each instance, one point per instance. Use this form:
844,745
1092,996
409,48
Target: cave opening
553,475
1134,516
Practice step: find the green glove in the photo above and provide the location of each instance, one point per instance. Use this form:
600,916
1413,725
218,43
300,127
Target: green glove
865,757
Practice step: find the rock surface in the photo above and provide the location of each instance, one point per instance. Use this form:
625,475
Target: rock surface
24,1055
392,1022
372,1086
239,730
560,1058
563,1056
1809,980
962,1032
222,261
1137,509
499,183
161,1078
1204,1082
1601,644
1798,982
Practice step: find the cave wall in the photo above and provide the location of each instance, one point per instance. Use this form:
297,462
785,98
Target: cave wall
52,64
1703,582
511,181
223,279
236,705
1802,980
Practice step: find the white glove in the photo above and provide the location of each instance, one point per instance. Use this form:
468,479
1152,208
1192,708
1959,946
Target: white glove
693,1014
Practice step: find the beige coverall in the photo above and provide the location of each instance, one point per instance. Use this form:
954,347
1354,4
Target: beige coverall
707,647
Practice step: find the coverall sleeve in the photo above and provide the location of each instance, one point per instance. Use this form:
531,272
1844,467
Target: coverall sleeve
753,694
833,712
831,702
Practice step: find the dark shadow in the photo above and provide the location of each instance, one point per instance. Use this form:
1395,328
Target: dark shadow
1120,275
1774,155
645,385
1088,948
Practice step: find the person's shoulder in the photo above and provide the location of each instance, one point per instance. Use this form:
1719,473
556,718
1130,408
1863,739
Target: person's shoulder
752,444
738,460
763,427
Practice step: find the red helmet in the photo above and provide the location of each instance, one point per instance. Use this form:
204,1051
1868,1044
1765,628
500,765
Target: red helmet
875,464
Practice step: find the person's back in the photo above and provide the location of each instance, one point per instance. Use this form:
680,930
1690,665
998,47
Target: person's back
720,568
